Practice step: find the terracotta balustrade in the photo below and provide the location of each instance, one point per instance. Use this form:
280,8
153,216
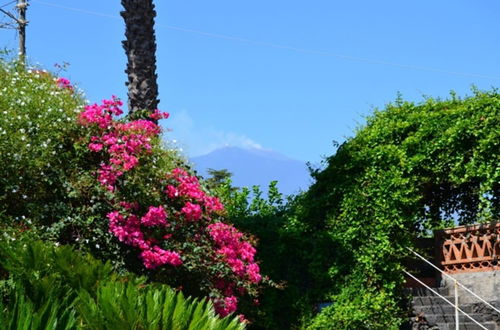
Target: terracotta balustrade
469,248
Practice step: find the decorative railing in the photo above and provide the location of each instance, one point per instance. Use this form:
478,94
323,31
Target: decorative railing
469,248
456,284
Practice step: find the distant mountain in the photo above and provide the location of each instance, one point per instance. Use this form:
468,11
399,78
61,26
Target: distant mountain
256,167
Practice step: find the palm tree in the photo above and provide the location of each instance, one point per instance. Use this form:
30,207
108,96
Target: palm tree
140,48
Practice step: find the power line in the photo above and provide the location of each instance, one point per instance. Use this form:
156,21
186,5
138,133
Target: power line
79,10
9,14
8,3
7,25
285,47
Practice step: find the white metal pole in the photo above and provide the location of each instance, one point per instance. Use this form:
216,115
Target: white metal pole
456,305
447,301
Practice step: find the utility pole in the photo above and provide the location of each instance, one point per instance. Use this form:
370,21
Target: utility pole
22,22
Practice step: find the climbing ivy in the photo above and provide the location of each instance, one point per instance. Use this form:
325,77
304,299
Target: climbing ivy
413,168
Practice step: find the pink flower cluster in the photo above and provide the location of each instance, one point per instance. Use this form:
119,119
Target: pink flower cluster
64,83
101,115
157,115
239,254
156,216
184,205
156,256
225,306
128,230
123,142
187,188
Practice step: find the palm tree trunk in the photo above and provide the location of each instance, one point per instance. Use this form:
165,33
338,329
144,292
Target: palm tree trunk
140,48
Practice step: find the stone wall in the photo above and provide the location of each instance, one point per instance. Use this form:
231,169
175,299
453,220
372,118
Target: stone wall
486,284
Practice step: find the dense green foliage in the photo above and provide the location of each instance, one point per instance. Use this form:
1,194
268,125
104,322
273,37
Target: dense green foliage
411,169
273,222
50,287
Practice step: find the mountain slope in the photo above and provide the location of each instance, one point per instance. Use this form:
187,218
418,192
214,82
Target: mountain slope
256,167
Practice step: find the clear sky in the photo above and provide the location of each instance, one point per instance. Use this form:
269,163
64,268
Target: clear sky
290,76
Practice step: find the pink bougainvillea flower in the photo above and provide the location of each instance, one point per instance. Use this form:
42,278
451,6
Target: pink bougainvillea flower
157,115
64,83
127,230
212,204
155,216
129,206
192,212
171,191
95,147
156,257
238,253
253,272
226,306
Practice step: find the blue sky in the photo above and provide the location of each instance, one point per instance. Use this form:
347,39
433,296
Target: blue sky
291,76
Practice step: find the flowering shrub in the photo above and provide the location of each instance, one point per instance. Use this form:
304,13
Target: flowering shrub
178,225
107,185
37,132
